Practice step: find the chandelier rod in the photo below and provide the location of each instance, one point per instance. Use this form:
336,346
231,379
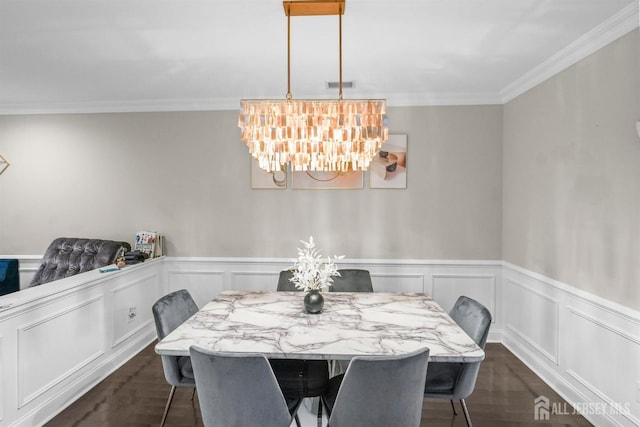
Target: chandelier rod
288,55
340,11
340,42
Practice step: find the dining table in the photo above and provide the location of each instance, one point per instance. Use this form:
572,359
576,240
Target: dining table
351,324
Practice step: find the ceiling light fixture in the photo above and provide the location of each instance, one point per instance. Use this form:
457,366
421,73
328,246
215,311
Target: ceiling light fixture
313,134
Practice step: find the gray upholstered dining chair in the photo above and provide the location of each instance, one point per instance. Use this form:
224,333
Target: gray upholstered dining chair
299,378
456,381
169,312
352,280
239,389
349,280
284,282
378,391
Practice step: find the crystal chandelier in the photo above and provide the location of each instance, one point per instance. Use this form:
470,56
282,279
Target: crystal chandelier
313,134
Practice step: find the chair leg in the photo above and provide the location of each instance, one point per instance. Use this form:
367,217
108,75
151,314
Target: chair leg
466,413
453,407
193,394
297,420
327,410
166,409
319,412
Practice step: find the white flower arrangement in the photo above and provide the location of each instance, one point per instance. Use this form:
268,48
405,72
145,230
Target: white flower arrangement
311,270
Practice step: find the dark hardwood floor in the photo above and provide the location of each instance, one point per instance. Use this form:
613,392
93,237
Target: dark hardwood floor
136,393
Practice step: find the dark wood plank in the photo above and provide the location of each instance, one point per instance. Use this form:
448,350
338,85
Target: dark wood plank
136,393
504,396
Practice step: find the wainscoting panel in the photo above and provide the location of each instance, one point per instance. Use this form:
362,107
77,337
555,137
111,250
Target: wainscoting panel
131,302
534,317
53,336
622,360
203,284
584,347
481,287
398,282
254,280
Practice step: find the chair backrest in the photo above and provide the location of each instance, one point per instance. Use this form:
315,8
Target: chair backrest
284,282
237,389
172,310
382,391
352,280
67,256
169,312
475,320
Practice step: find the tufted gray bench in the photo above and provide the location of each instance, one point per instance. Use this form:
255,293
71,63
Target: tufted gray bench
67,256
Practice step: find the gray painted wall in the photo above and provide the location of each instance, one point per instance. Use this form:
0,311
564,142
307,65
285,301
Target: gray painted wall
569,209
187,174
572,175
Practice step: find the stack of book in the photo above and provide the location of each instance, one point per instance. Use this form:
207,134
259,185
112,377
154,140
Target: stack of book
151,243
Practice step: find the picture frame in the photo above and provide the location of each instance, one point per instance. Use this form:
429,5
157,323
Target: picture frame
263,180
388,169
307,180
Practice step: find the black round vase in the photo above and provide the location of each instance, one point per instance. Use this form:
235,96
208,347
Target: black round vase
313,301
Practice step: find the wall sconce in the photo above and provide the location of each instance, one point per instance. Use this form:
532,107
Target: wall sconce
4,164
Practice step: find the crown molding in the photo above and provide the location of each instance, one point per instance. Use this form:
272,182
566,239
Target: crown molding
137,106
225,104
615,27
612,29
442,99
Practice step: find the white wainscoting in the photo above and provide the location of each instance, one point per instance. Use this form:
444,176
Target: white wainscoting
481,287
444,280
27,268
584,347
60,339
131,306
204,279
2,379
542,334
43,336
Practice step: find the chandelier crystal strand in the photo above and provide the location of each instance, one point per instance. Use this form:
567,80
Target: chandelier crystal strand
316,135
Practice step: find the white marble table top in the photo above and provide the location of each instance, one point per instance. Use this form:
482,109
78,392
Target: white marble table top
351,324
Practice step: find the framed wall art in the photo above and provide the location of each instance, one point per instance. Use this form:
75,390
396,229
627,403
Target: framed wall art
327,180
262,180
389,168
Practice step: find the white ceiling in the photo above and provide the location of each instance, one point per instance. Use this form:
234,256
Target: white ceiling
148,55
